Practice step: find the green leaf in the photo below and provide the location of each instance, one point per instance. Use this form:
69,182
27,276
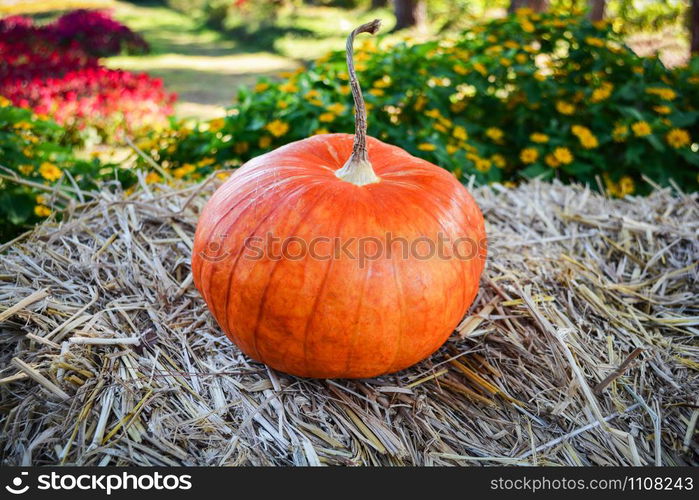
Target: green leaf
684,119
655,142
17,208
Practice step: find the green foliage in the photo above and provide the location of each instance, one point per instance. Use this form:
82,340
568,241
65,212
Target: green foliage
527,96
634,16
39,171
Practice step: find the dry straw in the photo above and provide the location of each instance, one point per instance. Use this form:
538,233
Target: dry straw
581,348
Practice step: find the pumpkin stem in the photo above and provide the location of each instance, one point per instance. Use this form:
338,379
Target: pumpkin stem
358,169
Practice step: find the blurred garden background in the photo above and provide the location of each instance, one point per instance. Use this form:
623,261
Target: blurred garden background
122,95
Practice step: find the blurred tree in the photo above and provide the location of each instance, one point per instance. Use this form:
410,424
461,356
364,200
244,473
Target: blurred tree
535,5
596,12
410,13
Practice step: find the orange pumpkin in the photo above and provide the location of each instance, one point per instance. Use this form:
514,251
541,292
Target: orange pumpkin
323,258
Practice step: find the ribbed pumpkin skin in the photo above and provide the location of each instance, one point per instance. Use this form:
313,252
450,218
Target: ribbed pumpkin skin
329,318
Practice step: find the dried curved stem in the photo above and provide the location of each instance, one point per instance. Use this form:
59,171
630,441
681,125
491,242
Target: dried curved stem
358,169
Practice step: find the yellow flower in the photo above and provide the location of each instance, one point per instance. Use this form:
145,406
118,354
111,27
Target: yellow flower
619,133
40,199
261,87
527,26
663,93
376,92
586,137
185,169
50,172
594,41
420,103
565,108
438,82
22,125
528,155
588,141
282,104
426,146
26,169
611,186
505,62
277,128
152,178
458,68
320,131
494,133
563,155
241,147
539,138
223,175
42,211
451,149
433,113
626,185
662,110
678,138
498,160
361,56
326,117
289,87
551,161
206,161
440,127
345,89
482,164
216,124
336,108
480,68
602,92
521,58
4,102
383,82
539,76
641,129
312,94
460,133
264,142
458,106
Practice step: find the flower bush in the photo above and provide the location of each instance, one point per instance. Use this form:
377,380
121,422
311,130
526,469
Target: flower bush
110,101
531,95
35,164
53,70
95,32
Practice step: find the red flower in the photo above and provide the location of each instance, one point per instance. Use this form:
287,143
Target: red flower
53,70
